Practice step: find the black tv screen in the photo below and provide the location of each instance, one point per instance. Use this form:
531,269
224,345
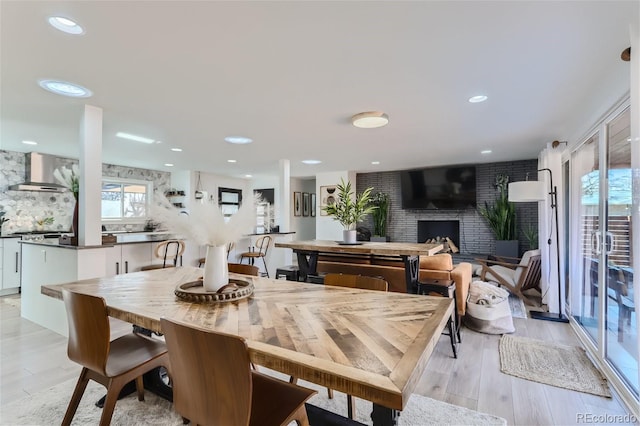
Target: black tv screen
439,188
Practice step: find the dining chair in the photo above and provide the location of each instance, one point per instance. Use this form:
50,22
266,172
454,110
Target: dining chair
352,281
213,383
113,364
241,268
171,250
258,251
517,277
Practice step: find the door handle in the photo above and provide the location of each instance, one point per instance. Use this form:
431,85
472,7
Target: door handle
595,242
117,268
126,266
609,239
17,254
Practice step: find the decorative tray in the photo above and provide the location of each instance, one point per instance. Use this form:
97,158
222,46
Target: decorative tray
194,291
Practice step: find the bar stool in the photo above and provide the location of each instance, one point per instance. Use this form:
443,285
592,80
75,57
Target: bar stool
171,250
262,246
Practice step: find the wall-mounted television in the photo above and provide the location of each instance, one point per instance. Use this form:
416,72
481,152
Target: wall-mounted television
451,187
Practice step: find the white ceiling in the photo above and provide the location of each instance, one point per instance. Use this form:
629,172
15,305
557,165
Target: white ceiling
291,74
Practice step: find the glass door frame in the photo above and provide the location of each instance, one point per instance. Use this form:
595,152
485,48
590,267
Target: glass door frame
598,347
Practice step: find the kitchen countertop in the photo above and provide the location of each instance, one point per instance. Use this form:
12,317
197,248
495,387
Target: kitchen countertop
121,238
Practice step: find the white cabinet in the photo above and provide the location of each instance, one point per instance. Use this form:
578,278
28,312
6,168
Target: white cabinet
10,265
125,258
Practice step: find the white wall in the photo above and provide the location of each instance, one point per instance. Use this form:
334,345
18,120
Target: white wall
303,226
326,227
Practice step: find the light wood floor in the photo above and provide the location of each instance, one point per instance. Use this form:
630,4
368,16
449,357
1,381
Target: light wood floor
33,358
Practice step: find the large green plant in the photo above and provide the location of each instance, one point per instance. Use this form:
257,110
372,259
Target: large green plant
347,211
501,215
381,201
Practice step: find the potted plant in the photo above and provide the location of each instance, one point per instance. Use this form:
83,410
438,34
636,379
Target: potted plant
349,212
501,217
381,202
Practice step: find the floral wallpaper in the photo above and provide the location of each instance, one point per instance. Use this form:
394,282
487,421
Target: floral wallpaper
31,210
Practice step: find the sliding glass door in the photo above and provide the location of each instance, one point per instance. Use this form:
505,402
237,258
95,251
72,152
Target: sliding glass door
621,333
601,250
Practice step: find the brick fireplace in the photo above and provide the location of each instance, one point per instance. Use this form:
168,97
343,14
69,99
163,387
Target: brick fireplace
439,228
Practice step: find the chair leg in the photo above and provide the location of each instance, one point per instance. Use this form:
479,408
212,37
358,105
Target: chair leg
452,335
265,266
140,388
81,385
300,416
113,390
351,405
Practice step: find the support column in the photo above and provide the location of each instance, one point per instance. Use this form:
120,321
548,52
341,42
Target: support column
285,203
90,217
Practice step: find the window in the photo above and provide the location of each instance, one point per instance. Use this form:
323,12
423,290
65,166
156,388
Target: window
125,200
229,200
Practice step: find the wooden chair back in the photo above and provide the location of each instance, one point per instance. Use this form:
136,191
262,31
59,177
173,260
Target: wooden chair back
89,330
212,376
240,268
356,281
530,277
262,245
170,250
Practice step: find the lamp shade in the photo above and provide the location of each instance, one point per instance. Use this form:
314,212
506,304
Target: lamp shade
529,190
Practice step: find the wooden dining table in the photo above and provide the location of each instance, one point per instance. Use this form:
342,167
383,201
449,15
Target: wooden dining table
308,252
373,345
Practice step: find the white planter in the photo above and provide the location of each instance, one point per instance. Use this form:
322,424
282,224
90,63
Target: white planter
349,237
216,269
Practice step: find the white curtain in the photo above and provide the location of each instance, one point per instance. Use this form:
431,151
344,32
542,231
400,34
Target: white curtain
550,158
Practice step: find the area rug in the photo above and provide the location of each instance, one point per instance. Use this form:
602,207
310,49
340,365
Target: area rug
518,310
553,364
48,407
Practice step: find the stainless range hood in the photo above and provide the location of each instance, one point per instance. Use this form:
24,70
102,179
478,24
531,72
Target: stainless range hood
39,174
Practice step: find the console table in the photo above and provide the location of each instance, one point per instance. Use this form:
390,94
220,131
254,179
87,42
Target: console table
308,251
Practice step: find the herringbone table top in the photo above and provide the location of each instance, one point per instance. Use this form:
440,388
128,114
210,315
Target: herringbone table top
370,344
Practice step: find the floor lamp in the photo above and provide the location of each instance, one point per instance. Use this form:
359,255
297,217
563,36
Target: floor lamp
528,191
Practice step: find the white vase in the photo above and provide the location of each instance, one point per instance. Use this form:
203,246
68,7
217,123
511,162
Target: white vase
349,236
216,269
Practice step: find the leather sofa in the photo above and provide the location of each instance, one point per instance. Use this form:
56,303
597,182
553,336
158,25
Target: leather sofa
439,266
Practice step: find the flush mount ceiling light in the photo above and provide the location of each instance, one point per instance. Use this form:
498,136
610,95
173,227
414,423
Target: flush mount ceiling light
176,149
168,164
135,138
65,88
370,119
66,25
311,161
30,142
486,151
232,161
238,140
248,176
375,163
477,99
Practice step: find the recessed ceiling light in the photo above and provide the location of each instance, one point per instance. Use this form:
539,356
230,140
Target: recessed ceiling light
136,138
375,163
232,161
238,140
486,151
248,176
176,149
30,142
311,161
168,164
370,120
478,98
65,88
66,25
